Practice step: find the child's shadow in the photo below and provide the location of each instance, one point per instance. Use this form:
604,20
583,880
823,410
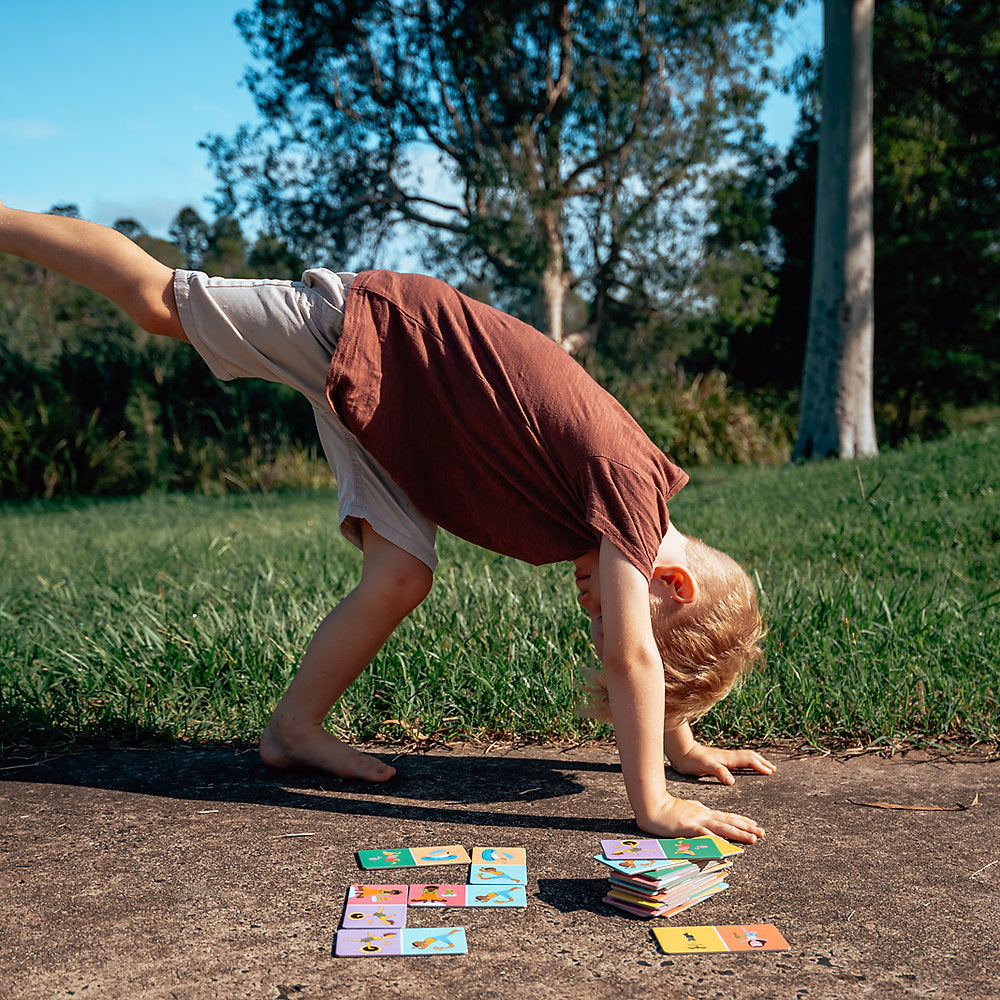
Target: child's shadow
497,790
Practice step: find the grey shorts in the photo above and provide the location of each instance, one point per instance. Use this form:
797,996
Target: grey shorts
286,331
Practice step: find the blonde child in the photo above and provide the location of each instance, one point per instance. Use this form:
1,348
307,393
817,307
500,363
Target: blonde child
435,410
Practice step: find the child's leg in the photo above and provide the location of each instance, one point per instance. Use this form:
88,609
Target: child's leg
100,258
392,584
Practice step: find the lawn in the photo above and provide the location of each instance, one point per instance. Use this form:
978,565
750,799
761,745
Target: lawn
178,617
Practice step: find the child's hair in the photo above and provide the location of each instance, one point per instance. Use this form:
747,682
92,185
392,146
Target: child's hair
705,646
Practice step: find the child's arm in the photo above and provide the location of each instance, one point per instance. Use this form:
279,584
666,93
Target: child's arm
100,258
635,691
688,756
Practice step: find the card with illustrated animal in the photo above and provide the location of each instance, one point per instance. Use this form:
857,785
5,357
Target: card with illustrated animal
468,895
404,941
735,937
374,915
645,849
414,857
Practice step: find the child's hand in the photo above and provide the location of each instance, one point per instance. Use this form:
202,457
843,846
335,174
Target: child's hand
688,818
702,761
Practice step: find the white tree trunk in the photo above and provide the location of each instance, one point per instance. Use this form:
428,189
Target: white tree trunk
554,281
554,298
837,408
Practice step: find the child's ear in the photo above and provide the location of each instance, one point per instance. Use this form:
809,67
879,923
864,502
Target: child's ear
675,583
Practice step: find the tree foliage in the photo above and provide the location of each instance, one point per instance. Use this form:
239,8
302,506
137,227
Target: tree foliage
91,405
937,222
571,135
937,209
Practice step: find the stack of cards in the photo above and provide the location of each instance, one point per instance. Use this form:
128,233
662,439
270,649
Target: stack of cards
375,916
661,878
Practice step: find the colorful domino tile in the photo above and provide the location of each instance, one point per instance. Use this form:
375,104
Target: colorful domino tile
468,895
499,856
736,937
377,893
436,895
405,941
498,874
414,857
645,849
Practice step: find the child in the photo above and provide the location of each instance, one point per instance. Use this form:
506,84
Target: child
434,410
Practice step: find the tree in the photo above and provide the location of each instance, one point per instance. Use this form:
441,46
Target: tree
573,134
837,409
937,156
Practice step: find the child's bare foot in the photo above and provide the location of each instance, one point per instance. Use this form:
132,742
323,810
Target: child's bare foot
315,747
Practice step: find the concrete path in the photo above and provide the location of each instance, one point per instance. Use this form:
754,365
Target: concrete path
199,875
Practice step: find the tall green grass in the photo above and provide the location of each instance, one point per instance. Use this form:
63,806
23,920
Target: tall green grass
184,617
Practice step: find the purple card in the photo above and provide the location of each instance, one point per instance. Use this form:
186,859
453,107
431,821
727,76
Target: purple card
368,942
374,915
618,850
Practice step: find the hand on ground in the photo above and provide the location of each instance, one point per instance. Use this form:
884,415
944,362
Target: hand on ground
689,818
701,761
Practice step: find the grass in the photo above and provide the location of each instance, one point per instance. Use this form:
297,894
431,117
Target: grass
175,617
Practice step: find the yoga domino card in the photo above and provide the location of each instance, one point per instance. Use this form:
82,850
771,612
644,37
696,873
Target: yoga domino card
736,937
684,848
414,857
467,895
378,893
405,941
499,856
498,874
374,915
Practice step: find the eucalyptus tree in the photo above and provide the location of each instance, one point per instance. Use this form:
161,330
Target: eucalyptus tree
837,415
544,145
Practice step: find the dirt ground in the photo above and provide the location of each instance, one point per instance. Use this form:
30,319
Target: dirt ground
192,874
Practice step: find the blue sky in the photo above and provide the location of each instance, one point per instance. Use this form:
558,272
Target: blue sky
103,104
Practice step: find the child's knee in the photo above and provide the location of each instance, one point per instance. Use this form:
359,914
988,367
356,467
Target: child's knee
407,586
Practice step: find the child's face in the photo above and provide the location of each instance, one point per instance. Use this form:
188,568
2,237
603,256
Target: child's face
671,580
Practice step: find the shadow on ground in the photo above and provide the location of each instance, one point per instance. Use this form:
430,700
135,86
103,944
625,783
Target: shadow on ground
198,873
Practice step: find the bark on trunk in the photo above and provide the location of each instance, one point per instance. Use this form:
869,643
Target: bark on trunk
837,408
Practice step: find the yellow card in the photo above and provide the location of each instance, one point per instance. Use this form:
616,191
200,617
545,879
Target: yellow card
685,940
725,848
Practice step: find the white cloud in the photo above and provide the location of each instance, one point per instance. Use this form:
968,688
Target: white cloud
25,131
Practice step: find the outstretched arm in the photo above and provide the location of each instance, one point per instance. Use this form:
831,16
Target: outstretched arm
635,691
100,258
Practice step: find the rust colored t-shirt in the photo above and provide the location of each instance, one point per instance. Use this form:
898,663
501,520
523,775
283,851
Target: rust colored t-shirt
491,429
